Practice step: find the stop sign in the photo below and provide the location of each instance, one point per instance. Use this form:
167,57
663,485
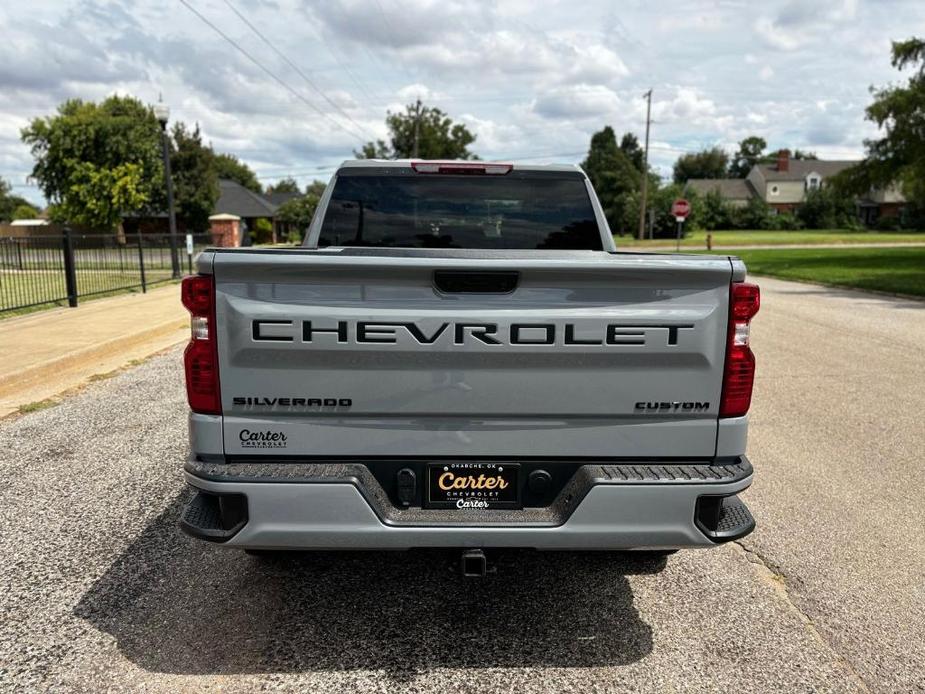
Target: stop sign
680,208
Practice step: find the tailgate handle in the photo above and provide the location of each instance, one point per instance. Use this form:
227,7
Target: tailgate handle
476,282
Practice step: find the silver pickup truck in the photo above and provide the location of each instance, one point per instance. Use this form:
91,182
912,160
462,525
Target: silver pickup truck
459,357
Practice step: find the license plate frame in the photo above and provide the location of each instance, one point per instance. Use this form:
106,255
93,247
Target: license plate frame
480,493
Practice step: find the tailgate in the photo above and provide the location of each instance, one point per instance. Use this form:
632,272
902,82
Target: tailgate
378,353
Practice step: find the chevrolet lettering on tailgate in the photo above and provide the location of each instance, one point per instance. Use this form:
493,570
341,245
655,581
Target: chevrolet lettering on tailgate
345,332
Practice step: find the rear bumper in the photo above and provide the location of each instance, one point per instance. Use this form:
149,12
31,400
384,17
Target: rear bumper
339,506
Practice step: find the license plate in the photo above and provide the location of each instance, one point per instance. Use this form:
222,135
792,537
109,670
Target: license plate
473,485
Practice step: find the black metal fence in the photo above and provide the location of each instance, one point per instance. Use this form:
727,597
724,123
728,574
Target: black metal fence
42,270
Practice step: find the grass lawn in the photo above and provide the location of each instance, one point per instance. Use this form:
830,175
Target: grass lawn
896,270
32,286
698,239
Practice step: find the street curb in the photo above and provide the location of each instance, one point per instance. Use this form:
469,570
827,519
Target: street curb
54,368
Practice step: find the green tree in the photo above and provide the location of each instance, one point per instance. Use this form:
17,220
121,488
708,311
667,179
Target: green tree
794,154
95,161
6,205
195,182
284,185
629,145
898,157
750,152
613,176
298,212
660,198
229,167
421,132
98,196
708,163
665,225
13,206
25,211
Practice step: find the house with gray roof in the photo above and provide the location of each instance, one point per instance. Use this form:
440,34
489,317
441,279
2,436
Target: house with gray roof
233,200
736,191
784,184
279,197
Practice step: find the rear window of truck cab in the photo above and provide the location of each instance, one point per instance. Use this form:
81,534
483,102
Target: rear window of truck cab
400,208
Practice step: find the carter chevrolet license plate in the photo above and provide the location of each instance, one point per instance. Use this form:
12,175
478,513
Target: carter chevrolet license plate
473,485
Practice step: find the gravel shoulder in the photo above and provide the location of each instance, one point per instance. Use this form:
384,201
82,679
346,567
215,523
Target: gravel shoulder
101,591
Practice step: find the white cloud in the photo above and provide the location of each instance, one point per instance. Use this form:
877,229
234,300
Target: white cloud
412,23
578,101
507,53
800,22
417,91
686,105
531,79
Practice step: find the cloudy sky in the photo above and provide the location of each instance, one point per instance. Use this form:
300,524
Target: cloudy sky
532,79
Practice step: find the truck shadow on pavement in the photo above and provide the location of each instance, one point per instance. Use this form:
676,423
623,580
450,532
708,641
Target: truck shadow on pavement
175,605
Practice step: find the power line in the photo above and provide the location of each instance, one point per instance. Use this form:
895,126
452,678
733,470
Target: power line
391,29
380,77
321,170
742,96
298,70
555,155
273,76
346,68
669,148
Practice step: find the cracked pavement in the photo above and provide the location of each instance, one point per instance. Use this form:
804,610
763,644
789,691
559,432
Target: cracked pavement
99,590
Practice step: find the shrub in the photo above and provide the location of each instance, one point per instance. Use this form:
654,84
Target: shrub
828,208
25,212
912,217
716,213
297,213
757,214
785,221
888,223
262,232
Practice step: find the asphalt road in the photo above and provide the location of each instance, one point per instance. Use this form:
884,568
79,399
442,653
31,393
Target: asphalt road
98,589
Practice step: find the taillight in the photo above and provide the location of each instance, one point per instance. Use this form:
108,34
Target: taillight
739,374
461,167
201,356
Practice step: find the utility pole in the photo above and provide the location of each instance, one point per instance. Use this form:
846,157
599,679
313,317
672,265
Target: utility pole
645,168
417,129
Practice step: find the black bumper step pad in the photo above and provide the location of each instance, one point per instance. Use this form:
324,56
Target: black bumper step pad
213,517
723,519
